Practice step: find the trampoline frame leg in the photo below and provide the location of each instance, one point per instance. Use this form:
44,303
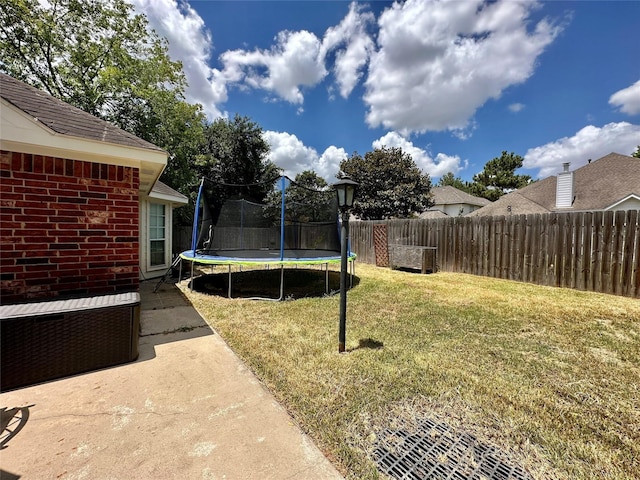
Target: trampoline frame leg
326,279
262,298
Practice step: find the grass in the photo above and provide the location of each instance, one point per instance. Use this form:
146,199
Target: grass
550,376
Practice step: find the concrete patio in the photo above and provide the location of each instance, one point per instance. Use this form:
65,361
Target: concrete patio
187,408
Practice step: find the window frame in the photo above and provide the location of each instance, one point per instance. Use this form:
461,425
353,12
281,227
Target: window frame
152,237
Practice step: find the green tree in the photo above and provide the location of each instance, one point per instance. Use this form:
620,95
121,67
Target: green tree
101,57
498,177
449,179
307,199
236,153
636,153
391,185
95,54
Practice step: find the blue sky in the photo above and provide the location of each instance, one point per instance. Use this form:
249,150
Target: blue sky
454,83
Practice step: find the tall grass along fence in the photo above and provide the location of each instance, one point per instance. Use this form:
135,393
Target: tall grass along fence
593,251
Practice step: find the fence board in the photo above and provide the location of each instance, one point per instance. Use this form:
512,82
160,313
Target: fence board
550,250
630,248
586,266
484,246
617,251
636,262
520,232
511,248
607,240
566,251
534,248
498,225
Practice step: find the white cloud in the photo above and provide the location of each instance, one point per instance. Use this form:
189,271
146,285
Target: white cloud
293,156
294,61
189,42
627,99
516,107
297,59
435,167
329,163
351,33
438,62
288,152
588,143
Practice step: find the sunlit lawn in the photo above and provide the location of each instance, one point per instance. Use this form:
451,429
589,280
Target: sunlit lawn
550,376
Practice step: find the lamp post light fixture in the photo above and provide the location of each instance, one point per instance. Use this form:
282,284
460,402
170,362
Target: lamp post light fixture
345,189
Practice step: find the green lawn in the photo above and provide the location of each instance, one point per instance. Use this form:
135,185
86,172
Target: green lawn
550,376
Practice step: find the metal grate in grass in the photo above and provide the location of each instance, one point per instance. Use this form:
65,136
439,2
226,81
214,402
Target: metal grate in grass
434,450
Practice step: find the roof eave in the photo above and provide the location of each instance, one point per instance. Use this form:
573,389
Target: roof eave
20,132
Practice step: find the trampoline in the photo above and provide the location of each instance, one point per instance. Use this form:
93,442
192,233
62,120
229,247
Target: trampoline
275,223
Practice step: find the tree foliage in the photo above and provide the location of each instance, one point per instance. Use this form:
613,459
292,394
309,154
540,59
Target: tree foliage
101,57
636,153
95,54
449,179
307,199
391,185
236,153
498,177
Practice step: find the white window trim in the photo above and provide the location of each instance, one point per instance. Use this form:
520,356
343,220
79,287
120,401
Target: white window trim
167,232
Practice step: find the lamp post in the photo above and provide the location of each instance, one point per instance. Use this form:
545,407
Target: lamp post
345,189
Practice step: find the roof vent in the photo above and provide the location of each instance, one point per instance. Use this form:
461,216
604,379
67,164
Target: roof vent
564,188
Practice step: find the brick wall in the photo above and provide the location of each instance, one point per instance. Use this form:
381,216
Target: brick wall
67,228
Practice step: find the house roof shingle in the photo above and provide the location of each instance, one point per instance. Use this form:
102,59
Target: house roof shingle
433,214
447,195
63,118
597,186
165,191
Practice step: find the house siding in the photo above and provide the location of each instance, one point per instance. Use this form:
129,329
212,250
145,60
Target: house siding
67,228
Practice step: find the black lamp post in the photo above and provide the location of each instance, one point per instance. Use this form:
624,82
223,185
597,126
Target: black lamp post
346,189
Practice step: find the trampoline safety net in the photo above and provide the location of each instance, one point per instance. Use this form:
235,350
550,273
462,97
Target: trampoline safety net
280,218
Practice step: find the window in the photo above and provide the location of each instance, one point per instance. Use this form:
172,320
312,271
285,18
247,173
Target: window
157,231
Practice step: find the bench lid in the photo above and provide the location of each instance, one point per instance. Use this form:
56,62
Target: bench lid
70,305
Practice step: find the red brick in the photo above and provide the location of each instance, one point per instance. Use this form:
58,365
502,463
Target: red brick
33,190
58,166
16,161
27,162
32,215
48,165
68,168
78,169
11,182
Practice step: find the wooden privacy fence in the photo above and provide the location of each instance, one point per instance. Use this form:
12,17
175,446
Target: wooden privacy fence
594,251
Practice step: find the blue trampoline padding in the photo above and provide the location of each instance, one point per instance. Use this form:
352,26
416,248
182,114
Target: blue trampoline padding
261,257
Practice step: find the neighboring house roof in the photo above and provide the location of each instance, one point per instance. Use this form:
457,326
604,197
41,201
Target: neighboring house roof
448,195
64,122
162,191
433,214
598,185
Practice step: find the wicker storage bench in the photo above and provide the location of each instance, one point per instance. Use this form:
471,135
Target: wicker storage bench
414,257
47,340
